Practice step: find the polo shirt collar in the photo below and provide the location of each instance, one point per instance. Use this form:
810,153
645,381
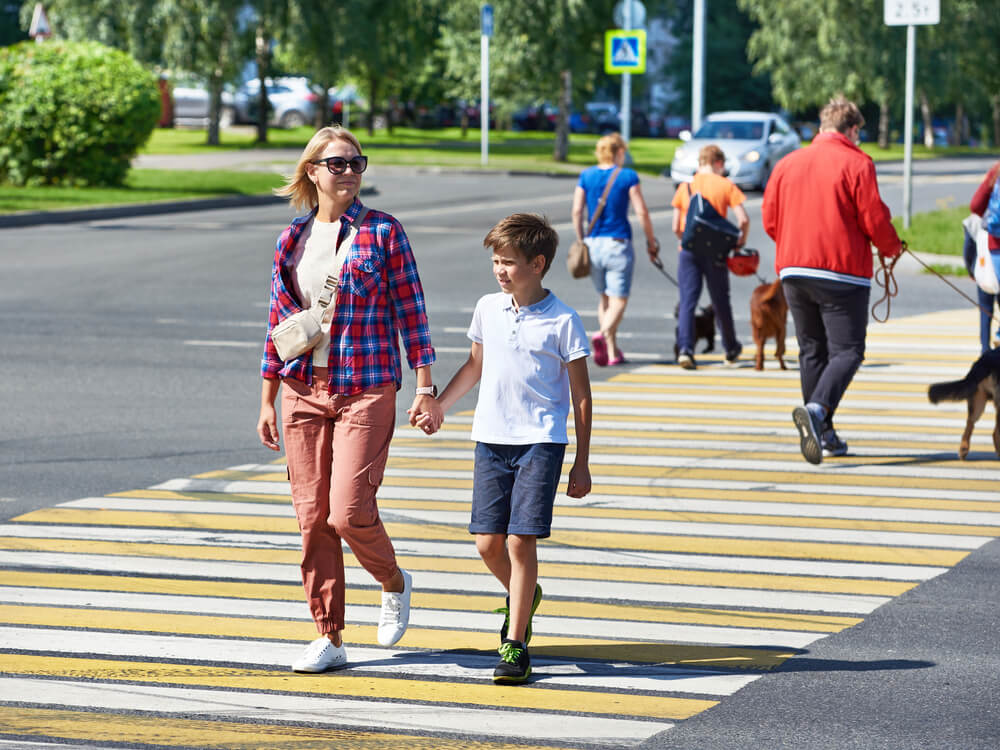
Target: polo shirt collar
539,307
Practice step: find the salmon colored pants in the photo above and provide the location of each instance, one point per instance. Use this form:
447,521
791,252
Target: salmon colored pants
337,448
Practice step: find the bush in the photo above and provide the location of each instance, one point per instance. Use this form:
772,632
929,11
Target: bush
73,113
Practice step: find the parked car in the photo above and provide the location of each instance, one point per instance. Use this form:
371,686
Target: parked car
535,117
293,101
191,101
752,141
603,117
674,124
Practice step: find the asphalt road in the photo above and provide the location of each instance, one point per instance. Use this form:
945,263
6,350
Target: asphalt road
132,356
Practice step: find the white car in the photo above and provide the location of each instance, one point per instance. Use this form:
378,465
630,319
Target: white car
753,142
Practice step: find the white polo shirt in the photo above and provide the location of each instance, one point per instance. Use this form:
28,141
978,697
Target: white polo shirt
524,395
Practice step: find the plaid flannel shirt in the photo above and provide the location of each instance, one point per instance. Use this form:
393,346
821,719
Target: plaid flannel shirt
379,299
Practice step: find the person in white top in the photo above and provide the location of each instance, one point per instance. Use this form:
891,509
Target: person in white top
529,355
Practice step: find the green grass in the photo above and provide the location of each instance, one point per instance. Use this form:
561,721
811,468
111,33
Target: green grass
938,232
445,147
143,186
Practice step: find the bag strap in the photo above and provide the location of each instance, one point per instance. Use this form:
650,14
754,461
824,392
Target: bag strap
600,203
333,278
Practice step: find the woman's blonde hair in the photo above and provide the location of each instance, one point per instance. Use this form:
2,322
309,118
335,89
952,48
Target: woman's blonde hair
608,147
298,188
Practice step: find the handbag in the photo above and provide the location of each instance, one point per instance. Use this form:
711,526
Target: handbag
984,270
301,331
707,233
578,258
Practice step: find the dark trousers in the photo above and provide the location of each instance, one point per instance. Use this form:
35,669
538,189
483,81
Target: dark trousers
691,269
831,320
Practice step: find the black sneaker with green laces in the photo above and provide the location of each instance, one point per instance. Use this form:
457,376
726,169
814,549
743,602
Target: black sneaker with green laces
505,611
514,666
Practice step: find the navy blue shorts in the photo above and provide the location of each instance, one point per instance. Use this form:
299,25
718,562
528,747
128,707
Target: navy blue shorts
514,488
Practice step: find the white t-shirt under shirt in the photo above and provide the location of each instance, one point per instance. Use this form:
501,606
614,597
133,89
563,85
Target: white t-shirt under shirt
524,395
312,260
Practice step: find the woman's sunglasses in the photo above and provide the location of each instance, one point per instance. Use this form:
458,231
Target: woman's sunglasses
339,165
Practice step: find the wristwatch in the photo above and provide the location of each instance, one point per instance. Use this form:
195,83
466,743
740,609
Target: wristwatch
428,390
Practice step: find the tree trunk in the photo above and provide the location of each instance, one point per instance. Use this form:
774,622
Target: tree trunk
214,107
464,122
263,49
883,121
928,120
324,112
560,151
957,135
995,101
372,103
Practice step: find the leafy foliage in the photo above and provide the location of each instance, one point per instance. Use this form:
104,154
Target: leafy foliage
73,113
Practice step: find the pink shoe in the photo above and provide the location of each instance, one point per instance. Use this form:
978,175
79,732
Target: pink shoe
619,360
600,349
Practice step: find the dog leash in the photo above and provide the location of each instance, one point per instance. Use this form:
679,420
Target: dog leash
885,278
659,264
890,279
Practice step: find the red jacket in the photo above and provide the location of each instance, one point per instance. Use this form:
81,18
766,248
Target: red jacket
823,210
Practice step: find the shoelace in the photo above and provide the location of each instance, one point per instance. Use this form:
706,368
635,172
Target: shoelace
390,610
510,653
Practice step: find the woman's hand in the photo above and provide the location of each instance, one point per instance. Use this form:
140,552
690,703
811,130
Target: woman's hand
426,414
653,248
267,427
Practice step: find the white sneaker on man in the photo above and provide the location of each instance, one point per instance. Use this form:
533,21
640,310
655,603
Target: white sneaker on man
395,612
319,656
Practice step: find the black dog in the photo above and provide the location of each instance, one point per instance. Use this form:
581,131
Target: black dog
981,384
704,328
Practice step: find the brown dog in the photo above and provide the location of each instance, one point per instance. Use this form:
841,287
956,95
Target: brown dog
768,317
981,384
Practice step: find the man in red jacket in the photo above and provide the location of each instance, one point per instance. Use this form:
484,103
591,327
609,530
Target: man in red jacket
823,210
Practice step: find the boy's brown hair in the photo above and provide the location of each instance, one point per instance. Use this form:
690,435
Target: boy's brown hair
530,235
710,154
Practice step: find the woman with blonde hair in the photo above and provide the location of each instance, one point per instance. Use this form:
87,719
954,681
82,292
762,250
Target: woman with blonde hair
612,258
338,399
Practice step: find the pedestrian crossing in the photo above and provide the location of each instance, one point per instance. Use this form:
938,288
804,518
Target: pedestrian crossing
708,554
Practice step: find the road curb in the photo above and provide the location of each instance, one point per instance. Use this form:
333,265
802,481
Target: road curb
35,218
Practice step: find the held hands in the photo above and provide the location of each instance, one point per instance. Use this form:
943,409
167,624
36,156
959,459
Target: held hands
426,414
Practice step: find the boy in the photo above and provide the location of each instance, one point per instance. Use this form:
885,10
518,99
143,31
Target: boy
529,349
710,181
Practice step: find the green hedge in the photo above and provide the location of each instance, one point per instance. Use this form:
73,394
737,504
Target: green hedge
72,113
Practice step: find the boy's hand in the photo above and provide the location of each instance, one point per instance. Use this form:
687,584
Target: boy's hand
426,420
578,484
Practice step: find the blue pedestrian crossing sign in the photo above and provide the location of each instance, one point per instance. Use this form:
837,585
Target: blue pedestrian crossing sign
625,51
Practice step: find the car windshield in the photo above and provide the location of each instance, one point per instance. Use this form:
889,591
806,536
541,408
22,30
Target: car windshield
731,130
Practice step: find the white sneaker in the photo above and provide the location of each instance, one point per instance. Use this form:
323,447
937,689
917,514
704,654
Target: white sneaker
395,612
319,656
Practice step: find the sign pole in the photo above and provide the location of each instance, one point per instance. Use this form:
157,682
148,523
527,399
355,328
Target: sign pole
911,63
698,66
626,106
486,29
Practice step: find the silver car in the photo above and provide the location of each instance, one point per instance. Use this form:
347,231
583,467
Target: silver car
752,142
191,100
293,101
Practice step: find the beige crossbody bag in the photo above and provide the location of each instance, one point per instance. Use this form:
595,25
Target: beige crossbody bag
301,331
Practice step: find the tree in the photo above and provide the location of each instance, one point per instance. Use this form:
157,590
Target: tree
730,80
203,35
540,50
814,50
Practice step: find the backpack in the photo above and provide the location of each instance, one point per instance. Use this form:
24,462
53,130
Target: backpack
991,218
706,232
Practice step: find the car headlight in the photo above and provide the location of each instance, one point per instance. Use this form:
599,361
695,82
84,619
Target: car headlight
752,156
